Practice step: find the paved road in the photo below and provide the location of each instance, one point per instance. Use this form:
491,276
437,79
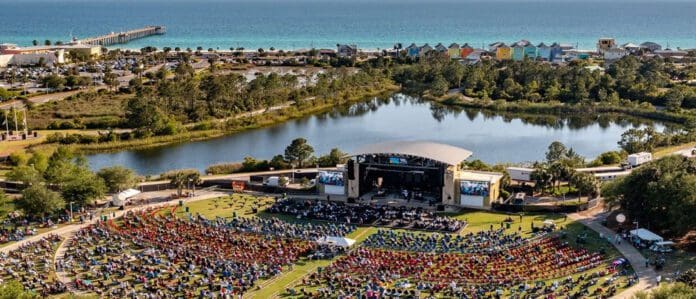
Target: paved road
647,277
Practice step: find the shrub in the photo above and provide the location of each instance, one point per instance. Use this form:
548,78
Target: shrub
224,168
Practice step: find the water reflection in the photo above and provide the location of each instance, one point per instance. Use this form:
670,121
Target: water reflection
492,136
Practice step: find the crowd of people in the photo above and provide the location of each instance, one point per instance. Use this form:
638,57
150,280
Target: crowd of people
31,265
404,270
362,214
150,253
280,228
490,241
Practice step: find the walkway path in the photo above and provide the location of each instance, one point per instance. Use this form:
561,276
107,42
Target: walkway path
647,277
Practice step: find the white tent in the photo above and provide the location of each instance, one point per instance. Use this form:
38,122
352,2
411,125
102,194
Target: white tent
337,241
646,235
120,198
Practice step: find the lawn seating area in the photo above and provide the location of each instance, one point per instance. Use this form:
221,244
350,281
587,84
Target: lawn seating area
362,214
520,270
32,265
153,252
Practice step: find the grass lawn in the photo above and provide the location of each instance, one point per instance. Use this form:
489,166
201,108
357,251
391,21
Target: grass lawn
664,151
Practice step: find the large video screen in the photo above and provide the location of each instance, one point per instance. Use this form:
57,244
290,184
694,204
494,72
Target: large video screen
331,178
398,161
473,188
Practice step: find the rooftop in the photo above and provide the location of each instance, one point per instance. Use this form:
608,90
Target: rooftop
444,153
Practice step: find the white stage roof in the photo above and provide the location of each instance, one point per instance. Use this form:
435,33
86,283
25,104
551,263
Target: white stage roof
444,153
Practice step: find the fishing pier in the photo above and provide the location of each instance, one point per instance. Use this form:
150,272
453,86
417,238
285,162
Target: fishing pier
123,37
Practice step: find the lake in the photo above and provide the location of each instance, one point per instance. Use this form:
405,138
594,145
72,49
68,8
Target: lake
493,137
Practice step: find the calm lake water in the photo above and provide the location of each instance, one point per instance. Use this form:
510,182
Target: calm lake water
492,137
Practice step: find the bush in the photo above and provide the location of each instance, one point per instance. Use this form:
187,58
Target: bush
17,159
224,168
204,126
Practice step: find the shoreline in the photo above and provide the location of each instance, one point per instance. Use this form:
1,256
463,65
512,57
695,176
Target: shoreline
561,109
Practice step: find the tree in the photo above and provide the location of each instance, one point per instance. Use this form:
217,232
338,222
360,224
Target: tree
659,195
638,140
53,81
111,80
4,199
83,188
674,98
38,200
39,161
183,178
143,114
298,152
585,183
14,290
333,158
608,158
35,42
117,178
24,174
541,176
670,291
556,151
47,43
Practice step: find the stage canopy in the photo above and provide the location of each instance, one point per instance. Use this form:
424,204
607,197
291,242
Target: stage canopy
646,235
336,241
443,153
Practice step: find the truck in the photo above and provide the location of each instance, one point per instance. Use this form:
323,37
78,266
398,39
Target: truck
275,181
639,158
520,173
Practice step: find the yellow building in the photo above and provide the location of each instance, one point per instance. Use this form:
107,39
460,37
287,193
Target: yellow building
503,52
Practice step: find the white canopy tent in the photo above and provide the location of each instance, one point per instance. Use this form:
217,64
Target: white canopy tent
646,235
120,198
337,241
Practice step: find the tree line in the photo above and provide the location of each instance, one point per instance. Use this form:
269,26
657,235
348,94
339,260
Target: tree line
653,80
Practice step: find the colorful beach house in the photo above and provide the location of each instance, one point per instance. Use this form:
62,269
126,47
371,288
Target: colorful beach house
503,52
465,51
440,48
530,51
543,52
518,50
424,50
413,51
556,52
454,51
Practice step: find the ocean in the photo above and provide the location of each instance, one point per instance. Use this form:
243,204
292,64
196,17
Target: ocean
222,24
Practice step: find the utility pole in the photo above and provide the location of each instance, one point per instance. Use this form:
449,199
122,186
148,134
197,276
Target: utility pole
7,125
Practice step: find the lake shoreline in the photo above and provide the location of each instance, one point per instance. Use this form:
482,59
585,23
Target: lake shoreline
561,109
266,119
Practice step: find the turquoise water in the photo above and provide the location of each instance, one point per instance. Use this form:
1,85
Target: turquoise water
316,23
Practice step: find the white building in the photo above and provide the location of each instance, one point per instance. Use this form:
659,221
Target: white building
615,54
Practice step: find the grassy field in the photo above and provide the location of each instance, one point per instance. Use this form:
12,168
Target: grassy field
86,108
